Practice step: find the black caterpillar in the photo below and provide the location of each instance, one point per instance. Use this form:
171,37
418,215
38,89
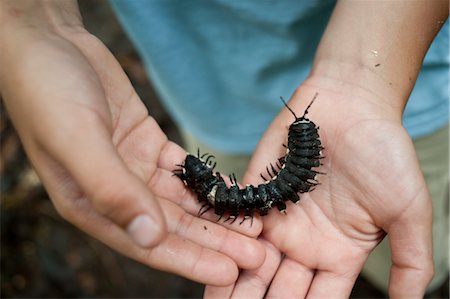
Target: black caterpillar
294,174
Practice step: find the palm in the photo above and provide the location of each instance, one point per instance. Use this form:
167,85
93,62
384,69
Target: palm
89,136
372,177
336,226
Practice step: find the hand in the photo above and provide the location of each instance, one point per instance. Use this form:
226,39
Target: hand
105,163
373,186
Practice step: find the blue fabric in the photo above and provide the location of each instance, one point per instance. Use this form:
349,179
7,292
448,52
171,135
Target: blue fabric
219,66
428,107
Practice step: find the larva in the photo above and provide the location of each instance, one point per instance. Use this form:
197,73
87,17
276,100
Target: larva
292,174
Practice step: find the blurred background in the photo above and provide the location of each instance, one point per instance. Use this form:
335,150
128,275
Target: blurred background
42,255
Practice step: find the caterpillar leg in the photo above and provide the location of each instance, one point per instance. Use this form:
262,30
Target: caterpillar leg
261,175
247,217
204,208
209,157
232,218
180,174
281,206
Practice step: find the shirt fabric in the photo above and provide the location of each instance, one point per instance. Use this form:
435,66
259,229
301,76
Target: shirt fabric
220,66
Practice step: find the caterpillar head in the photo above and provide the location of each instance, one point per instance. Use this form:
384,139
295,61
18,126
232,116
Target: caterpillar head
196,168
301,123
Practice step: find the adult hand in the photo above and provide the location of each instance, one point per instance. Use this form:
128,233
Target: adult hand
105,163
373,185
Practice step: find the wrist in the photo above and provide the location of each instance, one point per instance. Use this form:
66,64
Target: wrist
25,23
49,15
377,47
360,80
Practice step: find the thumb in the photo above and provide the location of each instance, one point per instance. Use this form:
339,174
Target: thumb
112,189
410,237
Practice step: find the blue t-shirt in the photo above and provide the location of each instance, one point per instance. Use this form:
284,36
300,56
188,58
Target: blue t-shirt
220,66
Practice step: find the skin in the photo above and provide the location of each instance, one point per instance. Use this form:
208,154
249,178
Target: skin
102,159
373,184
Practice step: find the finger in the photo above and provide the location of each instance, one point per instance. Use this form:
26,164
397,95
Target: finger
410,239
247,252
213,292
188,259
263,157
171,155
174,254
114,191
253,283
325,283
291,281
141,147
273,139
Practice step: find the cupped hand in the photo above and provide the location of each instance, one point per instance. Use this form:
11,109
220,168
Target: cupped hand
373,186
105,163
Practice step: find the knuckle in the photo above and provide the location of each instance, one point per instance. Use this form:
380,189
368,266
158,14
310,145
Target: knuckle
430,271
109,200
184,224
69,208
65,211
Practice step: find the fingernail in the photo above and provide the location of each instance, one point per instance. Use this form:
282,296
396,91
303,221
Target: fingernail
142,230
